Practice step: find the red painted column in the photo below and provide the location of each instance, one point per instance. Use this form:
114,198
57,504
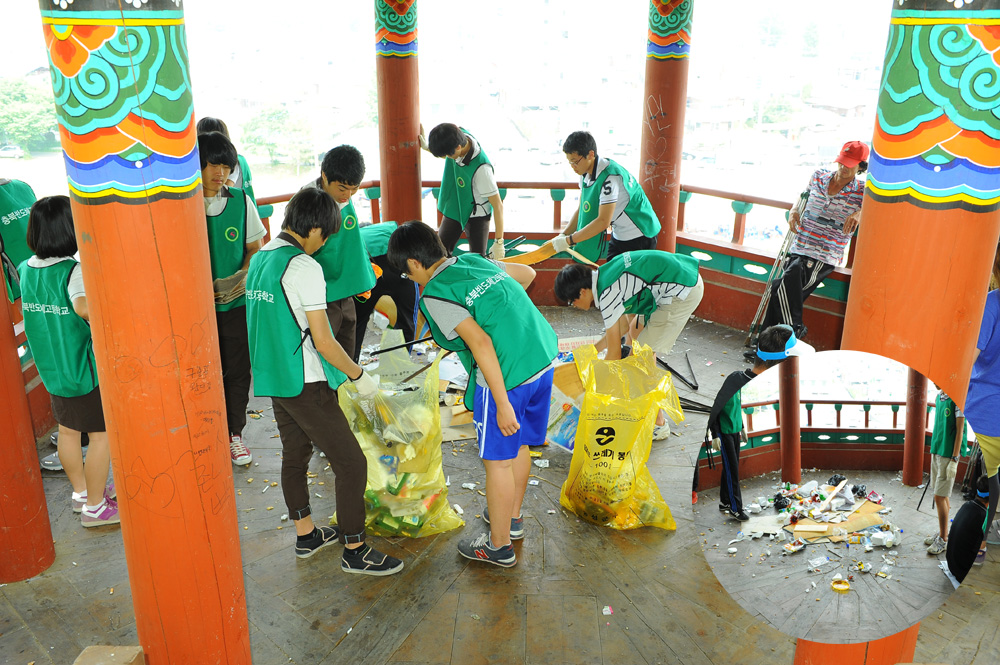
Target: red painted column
25,532
791,433
898,648
668,47
135,182
916,427
398,108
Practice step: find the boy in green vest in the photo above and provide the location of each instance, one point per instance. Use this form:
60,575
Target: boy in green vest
609,197
479,309
948,443
663,288
298,363
344,260
57,326
16,199
240,177
469,192
234,234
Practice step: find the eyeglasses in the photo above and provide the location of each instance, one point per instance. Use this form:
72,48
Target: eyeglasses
574,163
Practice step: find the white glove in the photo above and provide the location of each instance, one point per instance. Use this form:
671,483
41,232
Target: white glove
497,252
366,385
560,243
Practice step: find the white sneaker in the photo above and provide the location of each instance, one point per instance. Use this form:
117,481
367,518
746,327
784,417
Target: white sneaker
938,546
239,452
660,432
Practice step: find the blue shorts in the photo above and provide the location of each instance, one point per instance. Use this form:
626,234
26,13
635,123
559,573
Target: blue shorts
531,406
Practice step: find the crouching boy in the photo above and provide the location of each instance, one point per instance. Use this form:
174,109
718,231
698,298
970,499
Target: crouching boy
479,309
298,363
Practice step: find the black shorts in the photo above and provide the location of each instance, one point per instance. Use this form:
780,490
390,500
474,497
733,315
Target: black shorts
83,413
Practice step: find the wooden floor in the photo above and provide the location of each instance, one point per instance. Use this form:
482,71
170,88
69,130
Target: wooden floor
668,606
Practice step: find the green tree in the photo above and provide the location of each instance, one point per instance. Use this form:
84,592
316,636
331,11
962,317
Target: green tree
26,114
285,136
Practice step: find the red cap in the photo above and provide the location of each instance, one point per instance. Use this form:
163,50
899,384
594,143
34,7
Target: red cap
852,153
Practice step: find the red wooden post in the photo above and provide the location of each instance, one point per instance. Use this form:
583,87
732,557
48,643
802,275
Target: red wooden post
556,215
398,107
376,217
914,438
791,434
668,48
898,648
140,226
25,532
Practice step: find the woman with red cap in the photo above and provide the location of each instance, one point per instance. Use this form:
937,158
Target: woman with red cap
822,225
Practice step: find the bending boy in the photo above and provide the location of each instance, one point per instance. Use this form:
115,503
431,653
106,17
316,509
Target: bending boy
479,308
299,364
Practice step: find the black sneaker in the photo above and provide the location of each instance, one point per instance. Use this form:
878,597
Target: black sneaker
366,560
479,549
741,516
723,508
516,525
324,535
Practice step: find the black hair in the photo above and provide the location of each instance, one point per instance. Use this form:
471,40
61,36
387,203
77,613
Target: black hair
414,240
772,340
312,209
983,485
862,166
344,164
580,143
50,228
571,280
445,139
216,148
206,125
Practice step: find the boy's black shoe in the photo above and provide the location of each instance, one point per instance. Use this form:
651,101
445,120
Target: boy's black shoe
741,516
723,508
366,560
322,536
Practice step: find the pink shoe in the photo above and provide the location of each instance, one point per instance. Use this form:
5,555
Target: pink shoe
78,504
105,515
239,452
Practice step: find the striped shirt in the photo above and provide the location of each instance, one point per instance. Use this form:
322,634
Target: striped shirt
611,301
821,229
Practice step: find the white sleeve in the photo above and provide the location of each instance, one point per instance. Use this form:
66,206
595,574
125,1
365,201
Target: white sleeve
484,184
610,189
304,280
75,286
255,227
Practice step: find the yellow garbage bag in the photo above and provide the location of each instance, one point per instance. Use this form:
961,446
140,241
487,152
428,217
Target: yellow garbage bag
608,482
399,430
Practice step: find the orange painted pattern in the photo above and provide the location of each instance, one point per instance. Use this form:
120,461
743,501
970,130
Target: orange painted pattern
394,37
115,140
972,144
679,36
70,46
666,7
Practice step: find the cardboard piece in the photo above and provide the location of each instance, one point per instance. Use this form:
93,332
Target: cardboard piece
864,517
119,655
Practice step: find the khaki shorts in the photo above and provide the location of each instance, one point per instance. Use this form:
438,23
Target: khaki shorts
943,471
990,447
666,323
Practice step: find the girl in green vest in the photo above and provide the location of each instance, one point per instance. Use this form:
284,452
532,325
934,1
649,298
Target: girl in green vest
56,323
240,177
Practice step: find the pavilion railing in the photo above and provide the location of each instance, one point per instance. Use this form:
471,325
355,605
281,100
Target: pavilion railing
865,406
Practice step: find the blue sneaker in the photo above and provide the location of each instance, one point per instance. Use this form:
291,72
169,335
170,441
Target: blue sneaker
516,525
480,549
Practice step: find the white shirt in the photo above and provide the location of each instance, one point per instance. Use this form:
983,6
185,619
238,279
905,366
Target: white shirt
75,286
215,205
613,191
484,182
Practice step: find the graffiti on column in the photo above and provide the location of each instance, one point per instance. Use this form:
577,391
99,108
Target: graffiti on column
396,28
669,29
937,136
123,99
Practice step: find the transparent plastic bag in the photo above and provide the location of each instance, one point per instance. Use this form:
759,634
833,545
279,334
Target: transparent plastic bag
399,430
608,481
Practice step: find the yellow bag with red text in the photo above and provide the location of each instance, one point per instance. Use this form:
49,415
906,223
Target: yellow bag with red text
608,482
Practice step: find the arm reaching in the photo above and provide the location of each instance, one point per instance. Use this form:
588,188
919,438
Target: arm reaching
486,359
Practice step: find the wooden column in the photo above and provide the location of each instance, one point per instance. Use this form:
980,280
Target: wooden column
914,435
930,218
135,182
25,531
398,108
665,99
791,433
898,648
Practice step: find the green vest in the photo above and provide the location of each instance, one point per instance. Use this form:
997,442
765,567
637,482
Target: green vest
376,237
639,210
227,241
16,199
344,259
60,340
943,436
246,179
456,200
652,266
277,359
524,341
731,418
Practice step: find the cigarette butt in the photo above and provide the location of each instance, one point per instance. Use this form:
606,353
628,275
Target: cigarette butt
249,480
111,593
274,484
270,507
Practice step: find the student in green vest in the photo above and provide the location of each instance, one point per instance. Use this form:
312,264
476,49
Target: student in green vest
469,192
344,260
298,363
949,442
403,292
609,197
661,289
234,235
240,177
16,199
479,309
56,324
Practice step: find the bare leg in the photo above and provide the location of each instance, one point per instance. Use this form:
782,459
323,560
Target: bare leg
943,505
522,469
501,490
71,457
96,467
